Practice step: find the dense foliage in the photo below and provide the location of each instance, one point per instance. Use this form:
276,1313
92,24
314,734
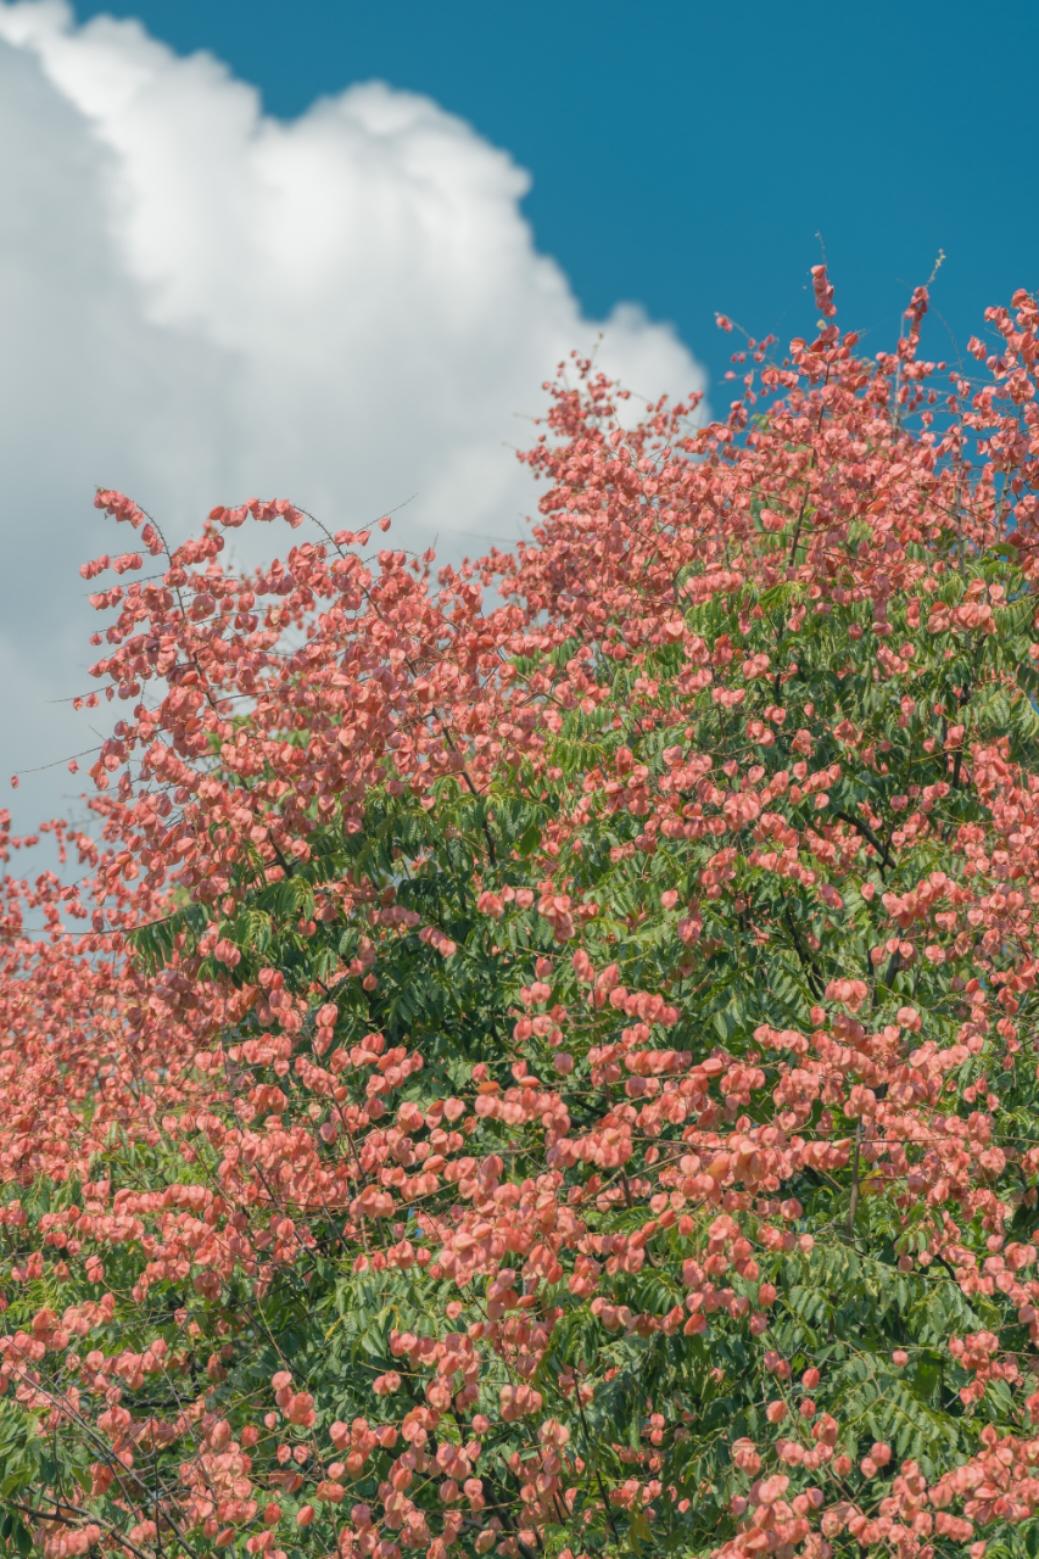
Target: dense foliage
541,1059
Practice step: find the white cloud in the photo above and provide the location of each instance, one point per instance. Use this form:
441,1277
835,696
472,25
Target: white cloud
201,303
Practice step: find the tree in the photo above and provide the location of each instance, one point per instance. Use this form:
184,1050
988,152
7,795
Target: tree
542,1061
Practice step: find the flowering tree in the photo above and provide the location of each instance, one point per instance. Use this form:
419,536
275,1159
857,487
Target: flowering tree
540,1058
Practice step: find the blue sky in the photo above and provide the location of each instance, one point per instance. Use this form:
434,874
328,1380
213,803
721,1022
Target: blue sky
686,155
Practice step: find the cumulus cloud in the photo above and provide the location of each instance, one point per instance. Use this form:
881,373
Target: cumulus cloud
202,303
